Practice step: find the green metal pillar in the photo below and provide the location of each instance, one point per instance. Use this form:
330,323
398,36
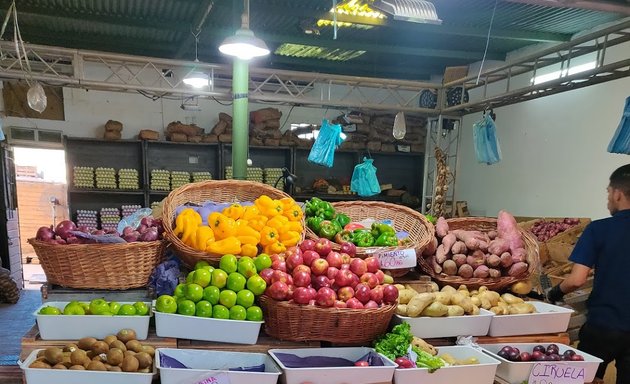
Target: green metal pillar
240,118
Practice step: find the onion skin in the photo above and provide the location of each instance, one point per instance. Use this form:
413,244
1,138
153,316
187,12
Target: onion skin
45,234
63,229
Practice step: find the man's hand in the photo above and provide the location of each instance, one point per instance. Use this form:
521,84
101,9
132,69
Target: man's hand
555,294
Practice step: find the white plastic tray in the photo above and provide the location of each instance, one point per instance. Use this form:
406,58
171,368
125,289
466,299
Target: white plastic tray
206,329
431,327
517,372
66,376
482,373
205,364
75,327
548,318
354,375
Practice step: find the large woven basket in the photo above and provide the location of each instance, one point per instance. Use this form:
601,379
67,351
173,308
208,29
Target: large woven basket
219,191
405,219
485,224
99,266
292,322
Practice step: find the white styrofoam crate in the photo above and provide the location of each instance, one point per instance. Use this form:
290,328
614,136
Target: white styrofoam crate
75,327
206,329
354,375
204,364
431,327
482,373
548,318
518,372
66,376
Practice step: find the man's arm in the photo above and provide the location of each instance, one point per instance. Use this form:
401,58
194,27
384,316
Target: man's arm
577,278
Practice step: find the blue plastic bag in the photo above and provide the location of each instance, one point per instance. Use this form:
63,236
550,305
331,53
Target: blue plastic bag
487,147
364,181
323,150
620,142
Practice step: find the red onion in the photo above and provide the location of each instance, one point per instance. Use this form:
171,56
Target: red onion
127,231
131,237
142,228
45,234
73,240
63,229
150,234
147,221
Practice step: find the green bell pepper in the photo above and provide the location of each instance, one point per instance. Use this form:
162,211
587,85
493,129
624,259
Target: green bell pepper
326,211
380,228
343,237
314,223
362,238
311,207
328,229
386,240
342,219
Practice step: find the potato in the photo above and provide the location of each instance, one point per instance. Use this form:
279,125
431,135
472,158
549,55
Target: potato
475,301
455,310
521,309
418,303
401,309
517,269
497,310
448,358
482,289
463,301
449,267
493,260
494,273
462,288
434,287
405,295
492,296
418,342
511,299
459,248
465,271
481,272
410,288
474,292
485,303
435,309
459,259
475,310
443,297
448,288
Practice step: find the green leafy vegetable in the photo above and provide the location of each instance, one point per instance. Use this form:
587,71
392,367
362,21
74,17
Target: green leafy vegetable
396,343
426,360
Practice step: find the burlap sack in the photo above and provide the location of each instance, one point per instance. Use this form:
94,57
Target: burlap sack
147,134
113,126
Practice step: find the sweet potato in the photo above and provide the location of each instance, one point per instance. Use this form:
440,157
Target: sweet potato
441,255
476,259
481,271
437,268
465,271
459,259
472,239
492,235
498,246
506,260
493,260
431,247
494,273
518,255
459,247
441,227
507,229
449,267
517,269
448,241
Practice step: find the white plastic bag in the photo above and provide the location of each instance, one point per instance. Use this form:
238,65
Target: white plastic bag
37,97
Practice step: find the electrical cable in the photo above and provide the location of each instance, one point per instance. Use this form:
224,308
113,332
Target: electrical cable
485,53
287,118
224,104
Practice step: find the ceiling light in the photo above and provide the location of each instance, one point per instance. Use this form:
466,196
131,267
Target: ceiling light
197,79
244,44
415,11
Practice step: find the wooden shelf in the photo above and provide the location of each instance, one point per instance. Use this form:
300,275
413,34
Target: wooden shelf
108,191
339,197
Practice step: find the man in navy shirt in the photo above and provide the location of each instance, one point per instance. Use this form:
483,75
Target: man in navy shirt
605,246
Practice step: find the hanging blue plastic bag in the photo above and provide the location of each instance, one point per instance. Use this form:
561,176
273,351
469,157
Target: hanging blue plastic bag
364,181
323,150
620,142
487,147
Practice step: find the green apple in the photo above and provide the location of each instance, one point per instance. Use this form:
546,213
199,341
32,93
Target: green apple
220,312
236,282
194,292
228,263
86,307
257,285
209,268
166,304
245,298
142,309
186,307
211,294
49,310
180,290
238,312
201,264
227,298
254,313
127,310
262,261
202,277
246,268
73,308
219,278
203,309
98,306
114,307
190,278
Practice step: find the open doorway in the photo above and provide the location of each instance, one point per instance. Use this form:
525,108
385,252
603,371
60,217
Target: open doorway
42,201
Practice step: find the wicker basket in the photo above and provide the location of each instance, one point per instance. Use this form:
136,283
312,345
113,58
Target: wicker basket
292,322
485,224
99,266
220,191
405,219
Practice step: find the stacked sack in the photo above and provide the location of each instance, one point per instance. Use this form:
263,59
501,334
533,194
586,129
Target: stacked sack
178,132
113,130
264,128
222,130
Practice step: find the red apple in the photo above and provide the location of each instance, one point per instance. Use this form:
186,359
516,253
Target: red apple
380,276
370,279
390,294
343,278
302,295
290,291
371,304
319,267
302,268
349,248
362,293
325,297
323,247
354,303
301,278
358,266
266,274
355,281
345,293
279,265
278,290
345,266
345,259
275,256
340,304
376,294
307,245
293,260
313,292
309,257
332,272
321,281
280,276
372,264
334,259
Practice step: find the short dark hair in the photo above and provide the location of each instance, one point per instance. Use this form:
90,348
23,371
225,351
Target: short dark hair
620,179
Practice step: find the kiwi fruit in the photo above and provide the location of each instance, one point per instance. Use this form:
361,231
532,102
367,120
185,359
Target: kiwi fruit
115,356
118,344
130,364
77,368
96,366
86,343
53,355
110,339
114,369
59,366
144,370
134,345
144,360
39,364
126,335
100,347
102,358
78,357
70,347
129,353
148,349
107,366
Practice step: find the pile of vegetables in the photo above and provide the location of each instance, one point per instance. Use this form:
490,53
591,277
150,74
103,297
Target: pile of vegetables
458,302
67,232
545,230
267,225
478,254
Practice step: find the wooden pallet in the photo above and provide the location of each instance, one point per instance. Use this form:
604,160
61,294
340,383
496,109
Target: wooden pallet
264,344
32,340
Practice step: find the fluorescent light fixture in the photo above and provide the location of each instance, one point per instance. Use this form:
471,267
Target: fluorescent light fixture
244,44
197,79
562,73
415,11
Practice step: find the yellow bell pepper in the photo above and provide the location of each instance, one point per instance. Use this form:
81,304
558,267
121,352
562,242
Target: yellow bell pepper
229,245
249,250
275,247
189,229
242,229
268,235
203,237
279,223
293,213
268,206
248,240
186,213
287,202
290,238
250,212
258,222
222,226
296,226
234,211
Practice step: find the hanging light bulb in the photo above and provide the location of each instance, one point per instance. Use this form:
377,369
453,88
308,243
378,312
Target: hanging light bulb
244,44
197,79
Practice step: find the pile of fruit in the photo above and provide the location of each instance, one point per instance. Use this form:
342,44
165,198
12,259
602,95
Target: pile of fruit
539,353
545,230
98,307
115,353
227,292
150,229
268,226
314,274
451,302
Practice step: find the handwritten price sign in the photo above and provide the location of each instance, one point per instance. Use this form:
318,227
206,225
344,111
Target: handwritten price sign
556,373
405,258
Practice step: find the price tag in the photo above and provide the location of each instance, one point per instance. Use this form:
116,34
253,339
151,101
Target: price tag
216,378
405,258
556,373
